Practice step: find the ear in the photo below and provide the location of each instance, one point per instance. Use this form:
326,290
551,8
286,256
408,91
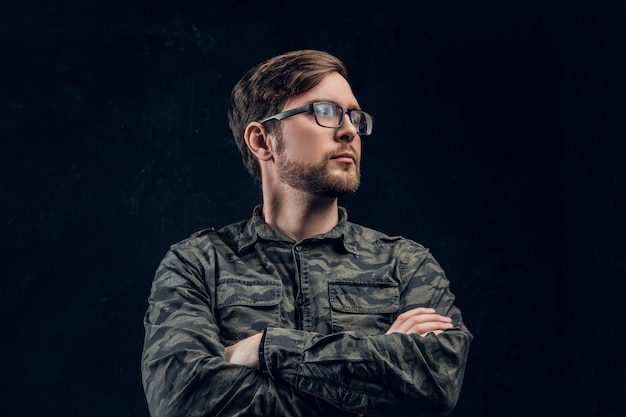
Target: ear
257,141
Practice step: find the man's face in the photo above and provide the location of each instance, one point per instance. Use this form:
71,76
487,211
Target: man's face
315,159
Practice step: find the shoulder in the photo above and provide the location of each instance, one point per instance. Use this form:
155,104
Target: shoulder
366,239
203,239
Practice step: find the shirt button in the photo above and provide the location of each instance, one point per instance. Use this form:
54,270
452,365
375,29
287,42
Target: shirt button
298,248
300,300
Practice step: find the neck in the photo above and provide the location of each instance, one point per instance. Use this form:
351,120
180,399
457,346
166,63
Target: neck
298,214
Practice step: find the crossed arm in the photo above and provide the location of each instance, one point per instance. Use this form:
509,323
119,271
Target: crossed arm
414,369
419,320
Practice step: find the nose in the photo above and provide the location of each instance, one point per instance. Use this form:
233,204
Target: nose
347,131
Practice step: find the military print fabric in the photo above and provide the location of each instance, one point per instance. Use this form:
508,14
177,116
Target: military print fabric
324,304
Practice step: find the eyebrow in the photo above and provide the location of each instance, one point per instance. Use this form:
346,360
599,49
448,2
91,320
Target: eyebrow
321,100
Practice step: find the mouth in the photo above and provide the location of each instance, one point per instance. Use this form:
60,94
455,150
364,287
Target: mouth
344,157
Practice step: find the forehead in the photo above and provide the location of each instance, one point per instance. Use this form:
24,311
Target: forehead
333,87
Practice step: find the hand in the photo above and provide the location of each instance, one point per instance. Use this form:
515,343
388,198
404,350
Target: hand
245,352
421,321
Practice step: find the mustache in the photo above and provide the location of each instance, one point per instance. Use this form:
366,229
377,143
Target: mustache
349,148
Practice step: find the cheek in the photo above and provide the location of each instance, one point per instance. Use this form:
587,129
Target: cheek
302,143
356,144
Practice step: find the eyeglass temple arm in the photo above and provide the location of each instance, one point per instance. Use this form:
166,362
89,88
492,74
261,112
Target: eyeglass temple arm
288,113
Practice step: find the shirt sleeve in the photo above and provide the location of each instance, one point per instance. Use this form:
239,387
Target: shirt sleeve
383,375
183,368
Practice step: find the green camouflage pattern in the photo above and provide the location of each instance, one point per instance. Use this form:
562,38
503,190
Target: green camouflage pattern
324,304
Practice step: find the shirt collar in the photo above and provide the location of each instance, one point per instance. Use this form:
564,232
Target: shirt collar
256,229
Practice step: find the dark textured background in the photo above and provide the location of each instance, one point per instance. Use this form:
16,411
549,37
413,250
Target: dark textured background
499,144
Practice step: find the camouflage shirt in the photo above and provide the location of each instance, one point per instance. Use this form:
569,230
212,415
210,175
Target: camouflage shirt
324,305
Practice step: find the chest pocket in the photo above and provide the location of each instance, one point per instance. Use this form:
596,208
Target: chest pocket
246,306
368,307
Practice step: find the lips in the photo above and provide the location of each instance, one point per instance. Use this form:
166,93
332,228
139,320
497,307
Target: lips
345,157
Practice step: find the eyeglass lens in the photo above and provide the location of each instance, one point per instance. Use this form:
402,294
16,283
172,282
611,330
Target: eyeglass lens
331,115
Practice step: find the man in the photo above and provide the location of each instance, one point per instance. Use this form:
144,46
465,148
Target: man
296,311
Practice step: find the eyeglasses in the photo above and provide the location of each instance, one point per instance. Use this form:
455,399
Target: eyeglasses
331,115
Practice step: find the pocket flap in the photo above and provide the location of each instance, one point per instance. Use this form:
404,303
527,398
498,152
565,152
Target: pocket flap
233,291
364,297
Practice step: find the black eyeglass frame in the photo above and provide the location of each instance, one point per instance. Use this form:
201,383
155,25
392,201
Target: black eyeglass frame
311,107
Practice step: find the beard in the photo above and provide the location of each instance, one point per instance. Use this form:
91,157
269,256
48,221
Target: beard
317,179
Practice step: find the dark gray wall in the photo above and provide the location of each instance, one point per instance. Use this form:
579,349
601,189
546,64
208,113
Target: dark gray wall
499,143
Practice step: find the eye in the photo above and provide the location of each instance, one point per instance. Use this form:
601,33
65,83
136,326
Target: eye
326,110
355,117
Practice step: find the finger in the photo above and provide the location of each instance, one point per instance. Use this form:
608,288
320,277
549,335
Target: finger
422,328
405,321
420,323
407,315
426,328
417,311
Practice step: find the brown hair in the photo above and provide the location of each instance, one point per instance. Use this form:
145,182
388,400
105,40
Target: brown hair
265,88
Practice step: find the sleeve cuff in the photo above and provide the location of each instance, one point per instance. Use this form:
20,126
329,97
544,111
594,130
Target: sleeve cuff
262,363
